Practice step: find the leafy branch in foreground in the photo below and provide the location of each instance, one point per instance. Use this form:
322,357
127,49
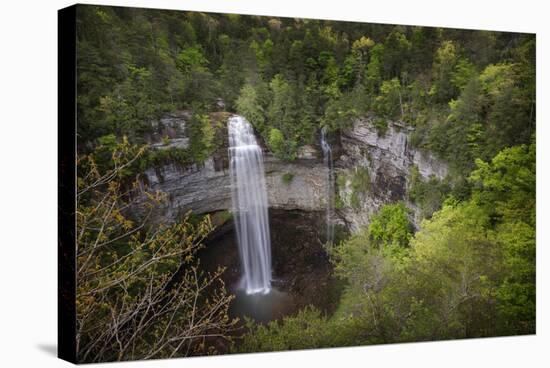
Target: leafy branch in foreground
141,293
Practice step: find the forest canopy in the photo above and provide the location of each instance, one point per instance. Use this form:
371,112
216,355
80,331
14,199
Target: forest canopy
468,93
467,269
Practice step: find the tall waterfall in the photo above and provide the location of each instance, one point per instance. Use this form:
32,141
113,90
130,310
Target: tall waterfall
249,198
327,157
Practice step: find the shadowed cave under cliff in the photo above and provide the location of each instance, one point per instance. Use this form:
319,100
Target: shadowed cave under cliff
302,272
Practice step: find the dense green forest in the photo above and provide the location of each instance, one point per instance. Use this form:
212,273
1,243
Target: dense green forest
469,271
468,93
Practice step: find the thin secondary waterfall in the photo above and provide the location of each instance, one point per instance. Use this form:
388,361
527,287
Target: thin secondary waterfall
327,157
249,198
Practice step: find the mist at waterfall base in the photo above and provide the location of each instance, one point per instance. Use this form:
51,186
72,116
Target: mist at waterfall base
255,296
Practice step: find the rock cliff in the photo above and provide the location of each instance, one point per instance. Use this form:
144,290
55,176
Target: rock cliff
381,161
206,188
375,168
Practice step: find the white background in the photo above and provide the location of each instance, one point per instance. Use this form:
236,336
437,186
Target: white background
28,181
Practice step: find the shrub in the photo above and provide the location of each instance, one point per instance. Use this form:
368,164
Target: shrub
381,126
282,148
428,195
287,178
125,267
391,225
308,329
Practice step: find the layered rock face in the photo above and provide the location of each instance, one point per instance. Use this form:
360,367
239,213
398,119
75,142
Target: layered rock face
202,189
304,190
206,188
382,162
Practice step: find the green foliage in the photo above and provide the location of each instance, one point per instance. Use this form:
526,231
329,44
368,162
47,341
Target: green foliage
389,103
282,108
201,137
507,185
391,226
516,296
491,113
127,109
191,59
111,153
371,261
454,248
381,126
470,95
506,189
446,59
508,106
124,264
277,141
428,195
306,330
396,52
351,187
465,133
248,106
263,53
351,258
204,133
360,181
392,296
354,68
463,72
340,112
468,272
387,235
374,69
286,114
294,76
287,178
282,148
171,155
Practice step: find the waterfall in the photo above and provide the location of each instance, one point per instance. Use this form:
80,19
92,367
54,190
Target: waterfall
249,198
327,157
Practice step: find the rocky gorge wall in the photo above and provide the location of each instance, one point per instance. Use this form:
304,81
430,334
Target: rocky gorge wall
206,188
384,162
